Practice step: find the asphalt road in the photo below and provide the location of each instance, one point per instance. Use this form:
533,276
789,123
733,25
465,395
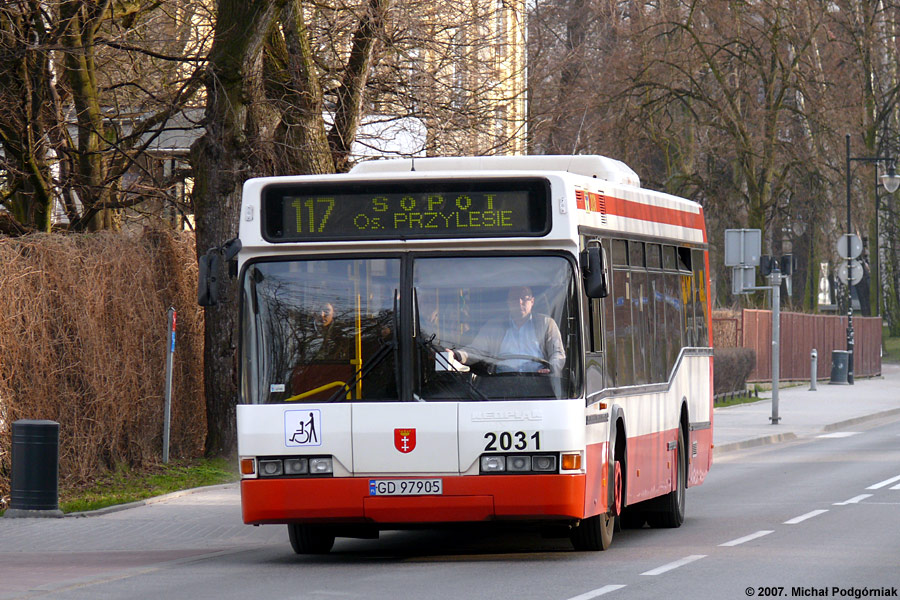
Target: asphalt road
816,513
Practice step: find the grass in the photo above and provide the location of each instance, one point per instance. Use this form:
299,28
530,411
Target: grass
743,399
126,485
891,348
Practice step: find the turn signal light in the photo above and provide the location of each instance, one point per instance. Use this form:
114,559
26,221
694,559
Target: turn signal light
248,467
571,462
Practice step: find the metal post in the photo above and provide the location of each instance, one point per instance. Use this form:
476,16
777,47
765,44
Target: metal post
849,279
170,353
813,369
775,282
876,270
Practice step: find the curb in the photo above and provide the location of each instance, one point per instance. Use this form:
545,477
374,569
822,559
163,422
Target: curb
170,496
857,420
718,450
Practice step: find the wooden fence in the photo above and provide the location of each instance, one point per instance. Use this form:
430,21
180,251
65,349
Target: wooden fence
800,333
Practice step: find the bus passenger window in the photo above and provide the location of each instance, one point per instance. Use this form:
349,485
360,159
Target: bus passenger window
701,304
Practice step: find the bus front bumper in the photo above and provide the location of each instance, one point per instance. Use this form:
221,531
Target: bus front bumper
464,498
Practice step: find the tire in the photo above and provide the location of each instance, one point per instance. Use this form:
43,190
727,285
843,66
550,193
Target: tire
669,509
596,533
310,539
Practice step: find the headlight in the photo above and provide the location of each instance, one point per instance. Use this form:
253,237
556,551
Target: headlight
544,463
493,464
518,463
320,466
271,468
296,466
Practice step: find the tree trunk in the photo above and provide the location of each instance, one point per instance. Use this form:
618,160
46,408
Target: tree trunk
223,159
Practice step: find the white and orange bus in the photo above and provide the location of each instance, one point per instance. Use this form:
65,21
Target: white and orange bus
378,386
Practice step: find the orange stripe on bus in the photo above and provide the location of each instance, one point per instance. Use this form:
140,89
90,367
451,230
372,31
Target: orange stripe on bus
655,214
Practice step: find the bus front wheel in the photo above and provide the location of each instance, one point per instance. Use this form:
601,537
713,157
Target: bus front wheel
596,533
670,508
310,539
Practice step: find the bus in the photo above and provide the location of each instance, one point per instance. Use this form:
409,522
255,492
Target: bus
385,381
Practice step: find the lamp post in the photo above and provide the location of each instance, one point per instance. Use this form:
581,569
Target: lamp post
890,181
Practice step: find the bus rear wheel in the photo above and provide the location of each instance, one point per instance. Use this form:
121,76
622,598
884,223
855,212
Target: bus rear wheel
310,539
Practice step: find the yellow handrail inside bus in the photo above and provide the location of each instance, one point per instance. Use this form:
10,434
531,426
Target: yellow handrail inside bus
358,347
315,391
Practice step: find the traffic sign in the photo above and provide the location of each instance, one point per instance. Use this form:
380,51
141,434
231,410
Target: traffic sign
742,278
856,272
742,247
849,246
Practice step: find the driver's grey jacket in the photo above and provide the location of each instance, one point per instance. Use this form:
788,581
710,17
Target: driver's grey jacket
486,345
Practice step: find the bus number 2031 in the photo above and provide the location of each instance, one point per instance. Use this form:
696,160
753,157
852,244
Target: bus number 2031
506,440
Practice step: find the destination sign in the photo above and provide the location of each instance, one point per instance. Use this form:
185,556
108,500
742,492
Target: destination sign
406,210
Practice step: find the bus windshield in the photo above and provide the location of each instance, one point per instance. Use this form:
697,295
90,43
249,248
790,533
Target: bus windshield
495,327
478,328
320,330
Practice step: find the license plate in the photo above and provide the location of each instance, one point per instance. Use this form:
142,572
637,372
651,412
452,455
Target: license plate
406,487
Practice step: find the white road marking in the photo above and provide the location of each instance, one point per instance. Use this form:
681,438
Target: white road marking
839,434
853,500
884,483
598,592
808,515
896,487
747,538
674,565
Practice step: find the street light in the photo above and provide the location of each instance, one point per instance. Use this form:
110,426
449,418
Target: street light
890,181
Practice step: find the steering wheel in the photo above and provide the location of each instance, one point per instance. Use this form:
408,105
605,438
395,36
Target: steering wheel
537,359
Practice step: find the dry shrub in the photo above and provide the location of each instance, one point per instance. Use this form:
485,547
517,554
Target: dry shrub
732,367
725,328
83,335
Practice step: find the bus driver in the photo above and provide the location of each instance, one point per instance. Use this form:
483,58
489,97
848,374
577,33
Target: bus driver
509,342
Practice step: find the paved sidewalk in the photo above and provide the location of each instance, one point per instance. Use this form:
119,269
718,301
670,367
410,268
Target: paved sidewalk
805,413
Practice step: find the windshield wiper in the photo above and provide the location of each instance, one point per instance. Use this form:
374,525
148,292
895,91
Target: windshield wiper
429,344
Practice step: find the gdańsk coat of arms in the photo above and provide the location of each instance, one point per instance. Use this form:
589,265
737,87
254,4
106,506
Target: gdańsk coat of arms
405,440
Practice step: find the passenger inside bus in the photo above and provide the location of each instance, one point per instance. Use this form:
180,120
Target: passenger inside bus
331,342
523,342
325,356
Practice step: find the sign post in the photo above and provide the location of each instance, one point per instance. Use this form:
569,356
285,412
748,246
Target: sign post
170,353
849,247
743,249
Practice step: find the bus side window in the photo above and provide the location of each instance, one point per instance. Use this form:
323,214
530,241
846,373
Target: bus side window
592,321
701,301
609,332
641,312
621,300
687,295
591,318
674,308
657,351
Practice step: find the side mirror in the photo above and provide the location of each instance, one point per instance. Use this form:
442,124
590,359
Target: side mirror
210,264
593,268
230,249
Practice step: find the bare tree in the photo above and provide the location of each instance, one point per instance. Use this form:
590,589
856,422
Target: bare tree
741,106
289,85
87,87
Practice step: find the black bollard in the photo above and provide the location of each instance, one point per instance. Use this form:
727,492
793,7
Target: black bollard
34,486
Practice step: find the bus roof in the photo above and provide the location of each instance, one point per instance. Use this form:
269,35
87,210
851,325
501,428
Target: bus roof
589,165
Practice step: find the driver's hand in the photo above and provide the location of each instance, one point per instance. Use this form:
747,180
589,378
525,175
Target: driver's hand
544,371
